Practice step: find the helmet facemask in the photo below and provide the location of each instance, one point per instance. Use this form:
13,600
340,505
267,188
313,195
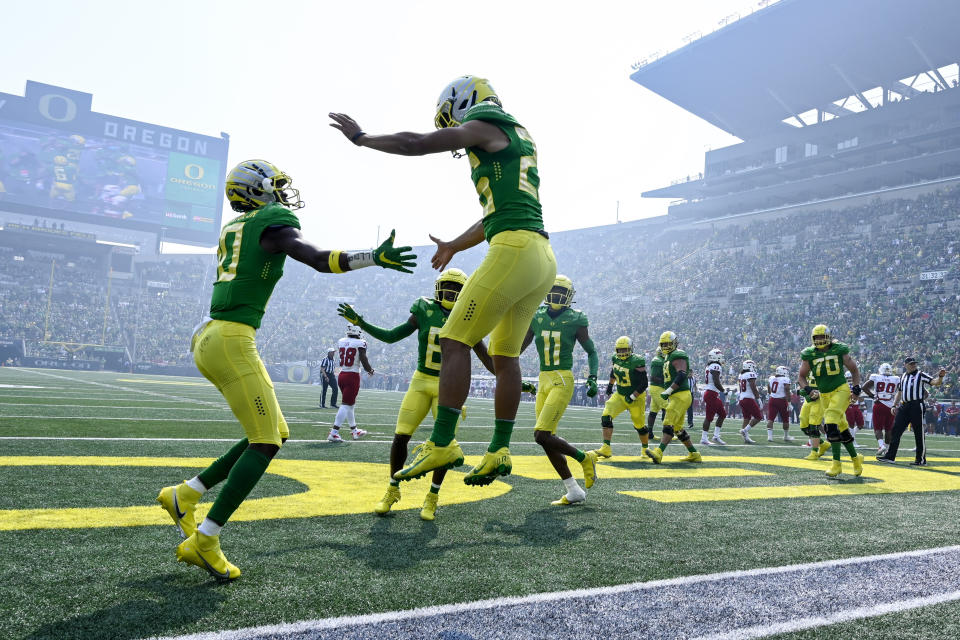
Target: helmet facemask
560,296
446,293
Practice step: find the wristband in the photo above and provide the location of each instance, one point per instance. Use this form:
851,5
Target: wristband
357,136
669,390
360,259
334,262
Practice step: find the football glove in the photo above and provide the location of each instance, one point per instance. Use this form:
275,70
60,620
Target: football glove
591,386
528,387
609,388
348,313
664,396
855,390
396,258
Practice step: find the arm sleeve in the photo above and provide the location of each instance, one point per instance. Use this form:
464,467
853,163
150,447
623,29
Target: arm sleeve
389,336
642,382
593,360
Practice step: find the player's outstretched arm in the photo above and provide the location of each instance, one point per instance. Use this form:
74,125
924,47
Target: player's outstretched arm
446,250
290,241
481,350
936,382
389,336
475,133
593,360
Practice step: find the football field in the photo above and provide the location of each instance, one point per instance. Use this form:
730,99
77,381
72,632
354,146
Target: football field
754,542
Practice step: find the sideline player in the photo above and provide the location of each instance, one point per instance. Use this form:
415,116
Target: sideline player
747,384
778,403
712,398
504,292
555,329
629,374
427,317
882,386
253,248
826,360
353,353
676,364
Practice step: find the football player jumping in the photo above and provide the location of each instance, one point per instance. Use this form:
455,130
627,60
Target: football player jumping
427,317
253,248
826,359
556,328
504,292
629,374
676,364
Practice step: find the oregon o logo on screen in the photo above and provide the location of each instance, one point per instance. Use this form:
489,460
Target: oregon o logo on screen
192,179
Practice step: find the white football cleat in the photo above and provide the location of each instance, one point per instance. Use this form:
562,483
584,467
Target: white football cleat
717,440
358,433
704,441
746,437
334,436
788,438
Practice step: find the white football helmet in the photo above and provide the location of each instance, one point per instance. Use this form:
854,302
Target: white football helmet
848,375
783,372
353,331
749,365
886,369
715,355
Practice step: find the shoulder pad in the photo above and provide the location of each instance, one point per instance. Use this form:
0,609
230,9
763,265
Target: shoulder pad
277,214
489,112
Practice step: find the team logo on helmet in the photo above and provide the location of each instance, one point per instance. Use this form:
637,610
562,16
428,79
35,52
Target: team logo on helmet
623,347
749,365
560,295
458,97
668,342
353,331
447,287
821,336
254,184
715,355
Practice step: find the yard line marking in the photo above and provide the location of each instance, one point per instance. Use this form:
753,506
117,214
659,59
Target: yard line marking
135,419
461,612
122,388
105,406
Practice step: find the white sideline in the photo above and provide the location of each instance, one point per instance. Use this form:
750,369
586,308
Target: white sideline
122,388
750,632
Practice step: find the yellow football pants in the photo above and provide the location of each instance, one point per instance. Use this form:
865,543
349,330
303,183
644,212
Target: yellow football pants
554,392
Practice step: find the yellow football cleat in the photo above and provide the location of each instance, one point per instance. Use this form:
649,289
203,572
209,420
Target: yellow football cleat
858,464
604,451
180,501
429,457
693,456
655,454
429,510
813,455
565,501
492,465
204,552
835,469
824,447
589,465
391,497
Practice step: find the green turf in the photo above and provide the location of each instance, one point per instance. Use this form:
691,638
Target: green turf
123,582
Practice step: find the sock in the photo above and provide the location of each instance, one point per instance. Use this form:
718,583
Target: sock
835,446
394,483
716,431
209,528
746,429
579,456
242,479
651,419
851,449
342,412
690,447
572,487
352,417
879,442
770,433
218,471
445,426
853,431
434,487
197,485
606,442
661,446
502,430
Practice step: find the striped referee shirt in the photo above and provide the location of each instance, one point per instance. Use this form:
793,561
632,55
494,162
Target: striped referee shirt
327,365
911,385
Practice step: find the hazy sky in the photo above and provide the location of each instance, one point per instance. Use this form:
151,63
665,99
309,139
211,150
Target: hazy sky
268,73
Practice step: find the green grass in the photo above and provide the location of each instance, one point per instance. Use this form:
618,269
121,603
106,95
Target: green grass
124,582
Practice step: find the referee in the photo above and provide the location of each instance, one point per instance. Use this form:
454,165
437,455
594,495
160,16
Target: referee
908,409
327,379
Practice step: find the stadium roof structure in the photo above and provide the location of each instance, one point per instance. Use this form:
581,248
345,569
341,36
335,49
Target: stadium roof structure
798,55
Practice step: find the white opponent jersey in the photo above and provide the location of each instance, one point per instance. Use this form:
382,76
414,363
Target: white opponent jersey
348,348
708,384
885,387
744,384
778,386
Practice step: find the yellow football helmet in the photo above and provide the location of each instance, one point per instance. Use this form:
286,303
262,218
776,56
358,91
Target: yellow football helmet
253,184
668,342
447,287
821,336
623,347
561,295
457,98
60,160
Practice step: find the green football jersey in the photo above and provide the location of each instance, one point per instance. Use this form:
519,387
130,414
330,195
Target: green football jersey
623,373
246,274
827,365
555,337
656,371
430,319
670,371
507,180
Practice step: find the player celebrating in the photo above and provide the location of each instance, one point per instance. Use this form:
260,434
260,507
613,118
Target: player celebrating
826,359
427,317
749,407
504,292
555,329
882,386
353,354
675,367
778,404
713,390
253,248
629,374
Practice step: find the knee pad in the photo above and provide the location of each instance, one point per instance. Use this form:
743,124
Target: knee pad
606,421
682,435
833,433
846,436
642,431
811,431
668,430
